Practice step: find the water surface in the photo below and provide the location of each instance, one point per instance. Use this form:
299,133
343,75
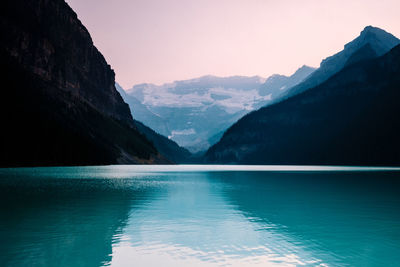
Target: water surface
199,216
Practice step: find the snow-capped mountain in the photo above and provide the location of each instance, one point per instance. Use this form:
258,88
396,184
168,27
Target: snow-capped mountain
196,112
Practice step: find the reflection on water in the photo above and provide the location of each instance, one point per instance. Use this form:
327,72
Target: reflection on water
136,216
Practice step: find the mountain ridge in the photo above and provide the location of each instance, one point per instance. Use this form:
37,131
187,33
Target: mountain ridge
381,42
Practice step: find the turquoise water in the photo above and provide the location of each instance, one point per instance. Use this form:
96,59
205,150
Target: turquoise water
199,216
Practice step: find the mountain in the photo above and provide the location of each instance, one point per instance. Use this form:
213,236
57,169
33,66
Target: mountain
350,119
59,105
194,113
195,110
378,41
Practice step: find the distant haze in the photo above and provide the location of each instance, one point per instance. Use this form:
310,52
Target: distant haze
158,41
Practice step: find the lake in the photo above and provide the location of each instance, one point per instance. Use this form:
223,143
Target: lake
199,216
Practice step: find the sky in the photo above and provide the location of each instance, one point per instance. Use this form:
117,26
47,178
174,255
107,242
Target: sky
160,41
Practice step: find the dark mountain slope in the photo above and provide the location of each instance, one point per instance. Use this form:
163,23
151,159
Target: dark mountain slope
165,146
59,105
351,119
364,53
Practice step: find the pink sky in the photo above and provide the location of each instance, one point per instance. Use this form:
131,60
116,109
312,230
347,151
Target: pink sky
158,41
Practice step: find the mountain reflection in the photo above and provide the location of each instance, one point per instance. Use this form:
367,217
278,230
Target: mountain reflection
124,216
62,221
191,221
342,218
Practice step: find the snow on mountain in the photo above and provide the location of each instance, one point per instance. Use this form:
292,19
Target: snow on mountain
195,111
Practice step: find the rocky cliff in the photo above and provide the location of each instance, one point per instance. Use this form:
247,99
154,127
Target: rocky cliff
59,104
46,38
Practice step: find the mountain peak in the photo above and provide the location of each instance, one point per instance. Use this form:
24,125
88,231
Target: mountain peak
374,41
303,72
304,68
380,40
376,33
370,29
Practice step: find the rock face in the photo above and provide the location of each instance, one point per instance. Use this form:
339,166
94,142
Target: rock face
59,102
350,119
46,38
